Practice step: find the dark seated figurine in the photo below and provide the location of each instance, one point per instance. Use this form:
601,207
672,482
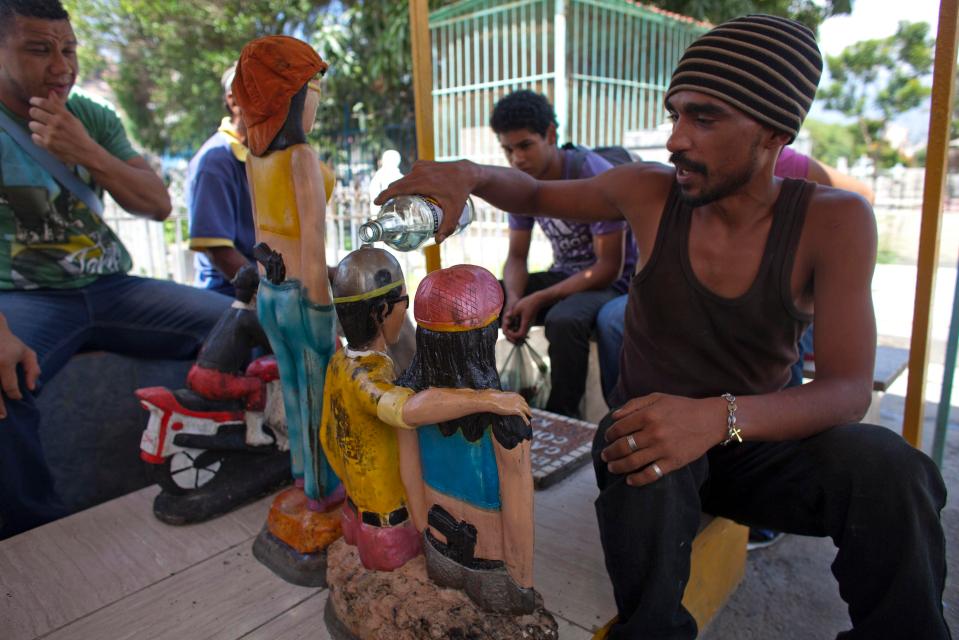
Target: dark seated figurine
220,369
222,442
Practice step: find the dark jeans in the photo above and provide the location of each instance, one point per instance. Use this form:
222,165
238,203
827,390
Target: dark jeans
119,313
862,485
569,325
805,346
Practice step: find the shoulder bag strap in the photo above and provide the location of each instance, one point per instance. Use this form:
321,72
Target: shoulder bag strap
55,167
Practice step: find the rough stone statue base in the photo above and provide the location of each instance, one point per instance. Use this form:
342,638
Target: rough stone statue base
406,605
294,541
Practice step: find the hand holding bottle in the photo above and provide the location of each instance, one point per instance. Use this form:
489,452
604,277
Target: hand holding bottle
448,183
406,222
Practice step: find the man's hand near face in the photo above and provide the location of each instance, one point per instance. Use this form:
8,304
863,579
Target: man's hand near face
55,129
133,184
38,68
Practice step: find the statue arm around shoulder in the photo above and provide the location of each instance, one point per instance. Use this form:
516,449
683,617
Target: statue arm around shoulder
435,405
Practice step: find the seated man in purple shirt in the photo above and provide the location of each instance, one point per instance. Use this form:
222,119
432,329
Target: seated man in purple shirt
592,263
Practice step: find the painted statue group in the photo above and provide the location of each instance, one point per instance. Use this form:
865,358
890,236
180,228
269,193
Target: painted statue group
415,487
413,484
436,462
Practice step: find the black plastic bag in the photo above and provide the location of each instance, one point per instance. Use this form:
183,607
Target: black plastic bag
527,373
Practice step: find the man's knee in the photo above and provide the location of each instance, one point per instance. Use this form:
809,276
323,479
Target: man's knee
878,462
610,318
563,327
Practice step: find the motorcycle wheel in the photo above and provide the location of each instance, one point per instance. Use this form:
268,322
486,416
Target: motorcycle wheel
187,470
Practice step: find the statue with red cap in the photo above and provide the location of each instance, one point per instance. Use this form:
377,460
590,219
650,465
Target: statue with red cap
277,87
476,474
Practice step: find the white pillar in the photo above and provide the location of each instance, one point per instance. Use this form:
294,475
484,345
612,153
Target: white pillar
560,98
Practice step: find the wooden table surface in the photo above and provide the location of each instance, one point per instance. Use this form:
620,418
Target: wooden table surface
115,571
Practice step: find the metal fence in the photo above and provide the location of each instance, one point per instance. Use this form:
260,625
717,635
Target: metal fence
161,250
604,64
164,254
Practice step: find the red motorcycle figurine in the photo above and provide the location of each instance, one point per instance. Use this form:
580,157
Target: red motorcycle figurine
222,441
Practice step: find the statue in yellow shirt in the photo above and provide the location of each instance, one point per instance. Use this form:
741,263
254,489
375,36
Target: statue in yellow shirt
368,429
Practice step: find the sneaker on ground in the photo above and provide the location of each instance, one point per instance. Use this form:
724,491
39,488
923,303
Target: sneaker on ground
761,538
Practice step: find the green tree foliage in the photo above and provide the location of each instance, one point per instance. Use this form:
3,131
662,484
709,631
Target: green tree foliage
369,88
809,12
873,81
832,141
163,58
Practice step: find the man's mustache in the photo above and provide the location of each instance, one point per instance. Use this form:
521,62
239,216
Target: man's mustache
680,161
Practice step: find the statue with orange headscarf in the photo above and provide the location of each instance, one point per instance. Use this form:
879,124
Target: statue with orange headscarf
277,87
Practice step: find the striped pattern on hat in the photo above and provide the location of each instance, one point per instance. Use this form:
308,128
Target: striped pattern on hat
767,66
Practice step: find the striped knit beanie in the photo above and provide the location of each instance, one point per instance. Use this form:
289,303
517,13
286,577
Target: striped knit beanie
769,67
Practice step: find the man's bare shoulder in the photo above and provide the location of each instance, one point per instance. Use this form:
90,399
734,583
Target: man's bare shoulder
839,209
840,220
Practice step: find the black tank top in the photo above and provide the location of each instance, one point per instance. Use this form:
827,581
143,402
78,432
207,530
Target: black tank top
681,338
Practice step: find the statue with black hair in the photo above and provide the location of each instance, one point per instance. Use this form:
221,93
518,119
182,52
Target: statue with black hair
373,433
476,476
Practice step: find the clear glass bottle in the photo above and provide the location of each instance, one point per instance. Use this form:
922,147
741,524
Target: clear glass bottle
407,222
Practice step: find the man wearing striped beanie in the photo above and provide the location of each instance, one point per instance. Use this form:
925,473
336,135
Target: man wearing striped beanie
761,68
733,264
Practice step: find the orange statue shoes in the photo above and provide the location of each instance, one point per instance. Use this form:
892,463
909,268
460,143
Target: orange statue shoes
303,529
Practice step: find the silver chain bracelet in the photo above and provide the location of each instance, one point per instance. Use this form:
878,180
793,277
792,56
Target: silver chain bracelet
732,431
